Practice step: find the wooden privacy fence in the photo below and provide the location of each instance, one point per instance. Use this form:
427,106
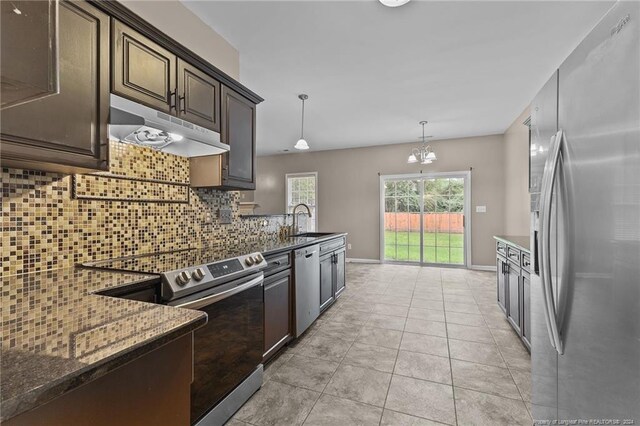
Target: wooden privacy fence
432,222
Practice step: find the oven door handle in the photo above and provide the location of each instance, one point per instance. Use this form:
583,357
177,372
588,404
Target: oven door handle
196,304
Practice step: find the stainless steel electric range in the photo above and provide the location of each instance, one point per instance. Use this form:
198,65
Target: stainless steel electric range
228,349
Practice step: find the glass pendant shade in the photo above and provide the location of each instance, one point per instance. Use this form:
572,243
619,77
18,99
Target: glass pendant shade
412,159
394,3
301,144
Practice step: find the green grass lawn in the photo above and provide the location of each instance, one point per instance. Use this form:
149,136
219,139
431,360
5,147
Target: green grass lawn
439,248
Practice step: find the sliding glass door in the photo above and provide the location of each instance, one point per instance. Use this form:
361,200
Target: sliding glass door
423,218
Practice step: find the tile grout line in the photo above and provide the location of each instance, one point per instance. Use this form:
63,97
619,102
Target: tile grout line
395,361
453,388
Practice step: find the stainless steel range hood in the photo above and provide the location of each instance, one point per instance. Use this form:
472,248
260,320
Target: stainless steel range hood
138,124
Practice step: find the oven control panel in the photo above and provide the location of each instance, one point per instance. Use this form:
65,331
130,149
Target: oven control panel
189,280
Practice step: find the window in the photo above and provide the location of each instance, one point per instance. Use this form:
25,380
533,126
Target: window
303,188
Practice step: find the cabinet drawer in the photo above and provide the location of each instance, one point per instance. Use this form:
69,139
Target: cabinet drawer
277,262
525,262
332,245
513,255
501,248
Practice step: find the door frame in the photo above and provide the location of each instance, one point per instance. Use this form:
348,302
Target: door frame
466,175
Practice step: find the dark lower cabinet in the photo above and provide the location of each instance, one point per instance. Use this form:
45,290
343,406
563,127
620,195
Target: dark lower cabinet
278,327
513,288
339,261
332,271
526,310
67,132
326,281
513,292
154,389
501,264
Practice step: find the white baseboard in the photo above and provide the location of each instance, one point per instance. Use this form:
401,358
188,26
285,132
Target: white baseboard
355,260
483,268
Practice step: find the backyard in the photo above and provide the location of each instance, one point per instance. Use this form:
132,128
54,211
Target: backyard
438,247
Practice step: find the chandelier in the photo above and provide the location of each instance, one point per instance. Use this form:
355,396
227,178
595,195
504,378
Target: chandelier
424,154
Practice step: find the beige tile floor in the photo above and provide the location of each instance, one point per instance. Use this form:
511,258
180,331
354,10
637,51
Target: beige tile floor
403,345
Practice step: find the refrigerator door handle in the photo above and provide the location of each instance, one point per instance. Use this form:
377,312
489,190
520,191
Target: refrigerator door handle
548,180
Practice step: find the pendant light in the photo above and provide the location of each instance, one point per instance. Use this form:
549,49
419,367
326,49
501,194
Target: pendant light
394,3
302,144
424,154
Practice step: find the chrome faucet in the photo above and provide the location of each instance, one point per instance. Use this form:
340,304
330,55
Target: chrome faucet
295,221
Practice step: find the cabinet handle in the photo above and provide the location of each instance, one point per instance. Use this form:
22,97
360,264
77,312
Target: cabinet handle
182,105
172,102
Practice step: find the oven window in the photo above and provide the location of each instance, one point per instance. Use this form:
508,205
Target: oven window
227,349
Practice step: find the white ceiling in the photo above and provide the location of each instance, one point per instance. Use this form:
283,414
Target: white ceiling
372,72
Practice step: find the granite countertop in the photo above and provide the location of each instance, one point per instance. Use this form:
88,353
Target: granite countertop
171,261
522,242
57,334
276,245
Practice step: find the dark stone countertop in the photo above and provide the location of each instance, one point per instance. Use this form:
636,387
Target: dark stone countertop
276,245
171,261
57,334
521,242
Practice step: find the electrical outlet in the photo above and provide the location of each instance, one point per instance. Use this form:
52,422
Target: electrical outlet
224,214
348,246
208,220
481,209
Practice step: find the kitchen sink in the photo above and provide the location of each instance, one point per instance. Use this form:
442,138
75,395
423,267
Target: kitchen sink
312,234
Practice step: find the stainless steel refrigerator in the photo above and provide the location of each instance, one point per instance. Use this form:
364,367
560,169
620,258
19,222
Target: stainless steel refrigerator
585,229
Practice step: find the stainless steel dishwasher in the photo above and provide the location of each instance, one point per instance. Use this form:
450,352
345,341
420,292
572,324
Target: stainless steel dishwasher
307,276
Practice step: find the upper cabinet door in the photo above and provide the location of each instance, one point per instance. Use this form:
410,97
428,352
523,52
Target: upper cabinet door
198,97
239,132
67,132
142,70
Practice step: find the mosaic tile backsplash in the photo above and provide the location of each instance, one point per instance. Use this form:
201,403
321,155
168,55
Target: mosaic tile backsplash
44,227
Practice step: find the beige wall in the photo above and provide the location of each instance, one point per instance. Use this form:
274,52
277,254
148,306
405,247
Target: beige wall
516,170
349,188
178,22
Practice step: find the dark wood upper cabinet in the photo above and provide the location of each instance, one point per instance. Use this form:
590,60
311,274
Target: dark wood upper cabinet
239,132
198,97
143,70
67,132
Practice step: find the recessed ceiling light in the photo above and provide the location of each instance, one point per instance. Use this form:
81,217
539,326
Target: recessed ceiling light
394,3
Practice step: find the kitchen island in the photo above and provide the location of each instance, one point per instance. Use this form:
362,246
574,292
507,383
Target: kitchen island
61,342
64,337
513,283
